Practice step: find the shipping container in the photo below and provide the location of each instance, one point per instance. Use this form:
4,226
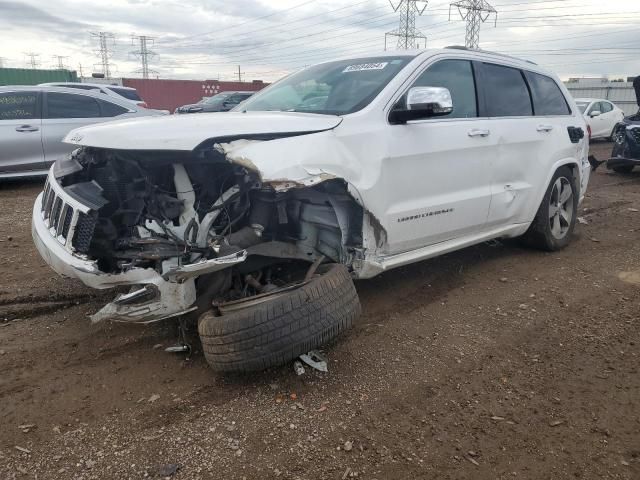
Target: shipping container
30,76
170,94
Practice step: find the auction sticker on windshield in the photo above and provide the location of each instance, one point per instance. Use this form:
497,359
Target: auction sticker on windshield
365,66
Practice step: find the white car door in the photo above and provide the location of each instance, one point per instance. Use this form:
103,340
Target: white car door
508,105
64,112
597,121
435,179
610,117
20,133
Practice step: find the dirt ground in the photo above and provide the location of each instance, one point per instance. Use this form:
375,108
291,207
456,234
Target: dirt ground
496,362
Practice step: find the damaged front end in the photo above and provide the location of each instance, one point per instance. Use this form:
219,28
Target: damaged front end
184,229
626,147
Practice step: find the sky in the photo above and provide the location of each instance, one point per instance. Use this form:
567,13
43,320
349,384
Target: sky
209,39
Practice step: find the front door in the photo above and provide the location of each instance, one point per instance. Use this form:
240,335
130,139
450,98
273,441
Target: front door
20,134
436,177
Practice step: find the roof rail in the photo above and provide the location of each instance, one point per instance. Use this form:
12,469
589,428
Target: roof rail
460,47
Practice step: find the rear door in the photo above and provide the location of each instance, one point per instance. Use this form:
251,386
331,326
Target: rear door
20,133
508,104
609,116
599,122
64,112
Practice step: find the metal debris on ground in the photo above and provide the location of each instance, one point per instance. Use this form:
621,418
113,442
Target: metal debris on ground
315,360
583,221
298,368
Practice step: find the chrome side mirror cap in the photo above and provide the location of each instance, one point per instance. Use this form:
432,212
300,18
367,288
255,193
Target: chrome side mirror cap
433,101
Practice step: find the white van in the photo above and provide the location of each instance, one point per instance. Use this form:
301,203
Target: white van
256,221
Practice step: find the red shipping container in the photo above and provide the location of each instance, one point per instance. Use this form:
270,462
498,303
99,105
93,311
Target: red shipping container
171,94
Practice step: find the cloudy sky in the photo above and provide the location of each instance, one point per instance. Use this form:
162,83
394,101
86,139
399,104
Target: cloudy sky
209,38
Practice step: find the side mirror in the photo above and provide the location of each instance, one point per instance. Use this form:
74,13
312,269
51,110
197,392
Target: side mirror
595,113
424,102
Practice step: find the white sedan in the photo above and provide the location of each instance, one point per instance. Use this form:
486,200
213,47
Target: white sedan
601,116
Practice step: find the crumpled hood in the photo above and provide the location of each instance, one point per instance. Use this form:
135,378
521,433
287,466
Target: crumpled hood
186,132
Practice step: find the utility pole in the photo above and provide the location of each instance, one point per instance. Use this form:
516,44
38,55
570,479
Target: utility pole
60,62
80,70
475,12
33,61
406,32
143,53
103,53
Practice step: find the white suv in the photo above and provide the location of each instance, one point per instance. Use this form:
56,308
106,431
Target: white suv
255,221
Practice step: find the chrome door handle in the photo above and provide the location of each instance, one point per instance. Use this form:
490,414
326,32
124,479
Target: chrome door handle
545,128
478,133
27,128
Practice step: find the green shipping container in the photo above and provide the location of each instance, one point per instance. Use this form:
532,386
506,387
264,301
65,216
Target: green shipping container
29,76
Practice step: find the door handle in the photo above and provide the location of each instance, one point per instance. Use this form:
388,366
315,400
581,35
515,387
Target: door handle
478,133
545,128
27,128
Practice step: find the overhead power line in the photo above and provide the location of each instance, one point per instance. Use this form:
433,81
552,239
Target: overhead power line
406,32
144,54
475,12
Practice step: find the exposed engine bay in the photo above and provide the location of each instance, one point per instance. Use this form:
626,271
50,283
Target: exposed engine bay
196,217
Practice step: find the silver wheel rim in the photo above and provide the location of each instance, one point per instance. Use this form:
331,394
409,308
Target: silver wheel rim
560,208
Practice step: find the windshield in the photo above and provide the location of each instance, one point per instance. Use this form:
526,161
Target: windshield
217,99
582,106
335,88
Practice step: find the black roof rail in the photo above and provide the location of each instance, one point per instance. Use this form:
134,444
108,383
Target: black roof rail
460,47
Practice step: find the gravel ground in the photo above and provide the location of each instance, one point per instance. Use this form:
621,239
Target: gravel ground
494,362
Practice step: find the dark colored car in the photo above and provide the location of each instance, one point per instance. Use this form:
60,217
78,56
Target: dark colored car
626,137
222,102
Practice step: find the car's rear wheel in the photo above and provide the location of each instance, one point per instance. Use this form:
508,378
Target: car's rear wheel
555,220
272,329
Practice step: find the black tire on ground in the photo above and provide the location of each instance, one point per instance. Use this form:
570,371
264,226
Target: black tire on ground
623,169
281,328
539,235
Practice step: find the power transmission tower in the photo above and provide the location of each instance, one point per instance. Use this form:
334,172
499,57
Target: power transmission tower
406,32
239,74
104,39
475,12
60,65
33,61
143,53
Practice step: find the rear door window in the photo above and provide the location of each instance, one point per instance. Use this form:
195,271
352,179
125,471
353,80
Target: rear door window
18,105
506,92
606,107
547,96
456,76
68,105
595,107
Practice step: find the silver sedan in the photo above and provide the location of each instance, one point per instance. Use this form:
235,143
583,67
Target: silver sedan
34,120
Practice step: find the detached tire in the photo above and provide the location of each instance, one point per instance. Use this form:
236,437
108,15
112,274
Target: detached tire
555,220
283,327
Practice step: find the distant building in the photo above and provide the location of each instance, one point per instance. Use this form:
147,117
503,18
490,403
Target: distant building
619,92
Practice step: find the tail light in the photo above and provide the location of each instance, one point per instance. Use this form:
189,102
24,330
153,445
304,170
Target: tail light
589,131
142,104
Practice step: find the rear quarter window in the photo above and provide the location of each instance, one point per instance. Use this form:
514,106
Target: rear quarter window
547,96
126,93
506,92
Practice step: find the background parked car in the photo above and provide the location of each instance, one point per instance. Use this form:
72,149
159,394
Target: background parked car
223,102
122,93
601,115
34,120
